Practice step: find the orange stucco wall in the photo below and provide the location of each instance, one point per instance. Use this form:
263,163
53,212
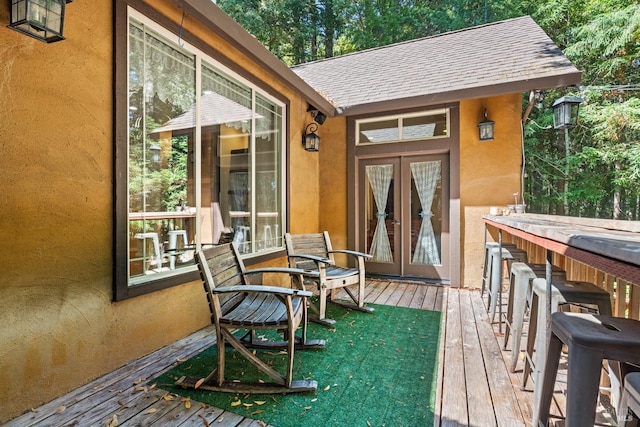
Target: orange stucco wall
489,173
59,327
333,212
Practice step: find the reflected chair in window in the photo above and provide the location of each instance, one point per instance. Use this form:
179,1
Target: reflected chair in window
239,310
313,252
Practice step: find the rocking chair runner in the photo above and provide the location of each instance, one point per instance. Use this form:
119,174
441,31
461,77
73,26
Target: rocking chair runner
313,252
236,305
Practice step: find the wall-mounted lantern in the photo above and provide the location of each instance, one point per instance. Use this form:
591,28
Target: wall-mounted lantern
311,141
485,128
565,112
40,19
155,153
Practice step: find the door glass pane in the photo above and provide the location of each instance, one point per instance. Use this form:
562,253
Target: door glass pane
426,213
379,213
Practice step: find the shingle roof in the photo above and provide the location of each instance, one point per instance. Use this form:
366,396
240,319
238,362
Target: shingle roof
515,55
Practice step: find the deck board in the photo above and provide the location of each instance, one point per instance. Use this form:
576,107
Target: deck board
504,399
476,379
474,387
453,410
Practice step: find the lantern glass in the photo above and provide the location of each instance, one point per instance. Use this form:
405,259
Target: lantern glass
485,129
565,112
311,142
40,19
155,153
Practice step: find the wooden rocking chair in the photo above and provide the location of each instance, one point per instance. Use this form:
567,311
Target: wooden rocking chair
313,252
236,305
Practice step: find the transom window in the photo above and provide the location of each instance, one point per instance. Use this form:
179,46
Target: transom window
205,157
407,127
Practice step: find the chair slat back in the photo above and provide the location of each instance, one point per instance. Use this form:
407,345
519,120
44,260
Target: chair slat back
220,266
310,244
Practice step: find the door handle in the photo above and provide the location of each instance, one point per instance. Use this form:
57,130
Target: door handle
396,222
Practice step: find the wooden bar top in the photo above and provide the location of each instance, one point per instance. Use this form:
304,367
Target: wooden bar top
611,246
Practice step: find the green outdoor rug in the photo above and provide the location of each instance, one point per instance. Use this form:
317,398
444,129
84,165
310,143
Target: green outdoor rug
378,369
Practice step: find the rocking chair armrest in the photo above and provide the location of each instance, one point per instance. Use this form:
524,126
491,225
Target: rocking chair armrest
312,258
284,270
354,253
276,290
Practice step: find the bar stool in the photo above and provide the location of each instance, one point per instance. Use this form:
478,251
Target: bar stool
156,246
267,236
496,259
590,339
173,245
562,293
520,281
486,265
629,411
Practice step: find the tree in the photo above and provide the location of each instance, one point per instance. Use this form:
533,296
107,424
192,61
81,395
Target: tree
305,30
600,37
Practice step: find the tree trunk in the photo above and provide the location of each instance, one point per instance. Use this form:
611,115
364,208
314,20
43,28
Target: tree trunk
616,194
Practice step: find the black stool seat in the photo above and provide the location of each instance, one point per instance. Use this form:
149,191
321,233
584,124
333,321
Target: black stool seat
590,339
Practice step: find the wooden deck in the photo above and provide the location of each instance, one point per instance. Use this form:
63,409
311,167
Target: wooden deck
474,385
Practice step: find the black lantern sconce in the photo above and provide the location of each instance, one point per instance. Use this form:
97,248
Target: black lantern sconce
40,19
311,141
565,112
485,128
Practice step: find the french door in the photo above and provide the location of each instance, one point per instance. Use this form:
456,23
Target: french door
403,216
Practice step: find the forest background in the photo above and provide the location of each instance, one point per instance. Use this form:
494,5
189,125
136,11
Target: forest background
592,170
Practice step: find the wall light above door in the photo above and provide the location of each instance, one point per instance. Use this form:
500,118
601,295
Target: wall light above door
485,128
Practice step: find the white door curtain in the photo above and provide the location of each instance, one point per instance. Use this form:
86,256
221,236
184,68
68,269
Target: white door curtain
426,176
379,177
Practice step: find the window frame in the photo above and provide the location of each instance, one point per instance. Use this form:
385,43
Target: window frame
123,11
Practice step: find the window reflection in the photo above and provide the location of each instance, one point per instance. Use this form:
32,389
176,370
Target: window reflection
235,141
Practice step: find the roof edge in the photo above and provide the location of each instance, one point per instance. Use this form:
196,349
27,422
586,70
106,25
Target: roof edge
562,80
214,18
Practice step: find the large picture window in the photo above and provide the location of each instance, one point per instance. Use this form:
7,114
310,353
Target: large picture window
204,158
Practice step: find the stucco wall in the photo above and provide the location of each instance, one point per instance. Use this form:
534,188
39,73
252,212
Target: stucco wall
489,173
59,327
333,212
304,185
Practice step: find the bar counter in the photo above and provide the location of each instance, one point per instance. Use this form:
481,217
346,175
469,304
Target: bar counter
609,246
